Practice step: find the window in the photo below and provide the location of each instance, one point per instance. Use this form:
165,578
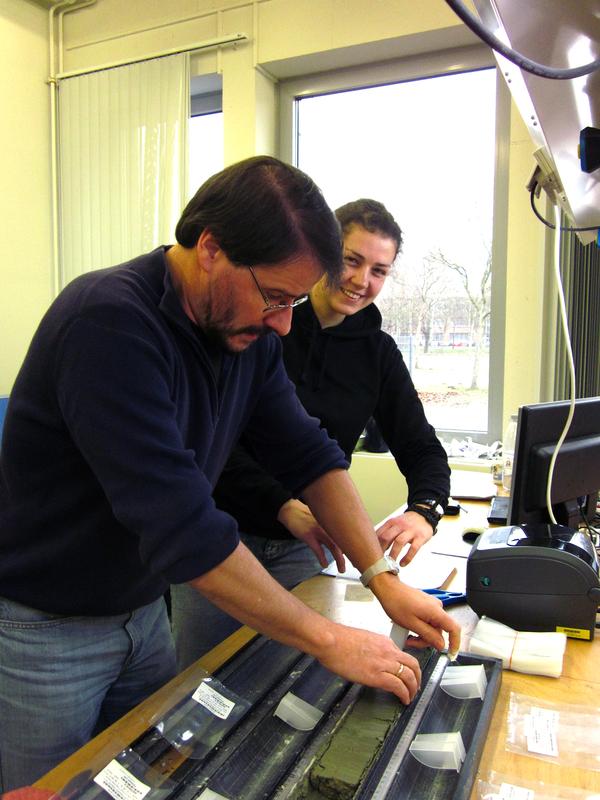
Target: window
206,148
426,147
205,130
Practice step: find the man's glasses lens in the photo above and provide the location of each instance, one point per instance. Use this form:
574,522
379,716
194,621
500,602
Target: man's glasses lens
269,306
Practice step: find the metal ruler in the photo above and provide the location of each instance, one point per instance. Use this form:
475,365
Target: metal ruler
409,733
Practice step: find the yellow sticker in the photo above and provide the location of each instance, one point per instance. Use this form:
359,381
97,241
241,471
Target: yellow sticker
574,633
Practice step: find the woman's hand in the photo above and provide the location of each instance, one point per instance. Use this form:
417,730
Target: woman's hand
408,528
297,517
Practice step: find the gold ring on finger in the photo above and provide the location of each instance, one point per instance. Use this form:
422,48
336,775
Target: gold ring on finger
400,669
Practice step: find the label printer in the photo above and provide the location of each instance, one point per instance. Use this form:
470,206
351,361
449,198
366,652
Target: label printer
535,577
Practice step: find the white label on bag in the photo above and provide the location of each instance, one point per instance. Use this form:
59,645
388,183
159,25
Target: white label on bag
211,699
120,784
541,731
510,792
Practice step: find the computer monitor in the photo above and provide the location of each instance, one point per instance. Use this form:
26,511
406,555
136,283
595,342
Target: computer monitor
576,479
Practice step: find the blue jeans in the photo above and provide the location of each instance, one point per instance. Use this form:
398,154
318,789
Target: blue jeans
198,625
64,679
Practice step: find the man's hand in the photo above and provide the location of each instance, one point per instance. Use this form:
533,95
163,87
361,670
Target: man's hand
416,611
371,659
243,588
408,528
298,519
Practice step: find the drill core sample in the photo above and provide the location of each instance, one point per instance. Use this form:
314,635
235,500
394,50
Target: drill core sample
340,768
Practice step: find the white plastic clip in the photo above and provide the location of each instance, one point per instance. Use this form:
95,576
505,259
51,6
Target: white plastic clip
439,750
466,682
297,712
398,635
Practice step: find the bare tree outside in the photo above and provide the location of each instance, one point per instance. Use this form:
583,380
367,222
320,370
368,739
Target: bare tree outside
438,312
429,285
478,291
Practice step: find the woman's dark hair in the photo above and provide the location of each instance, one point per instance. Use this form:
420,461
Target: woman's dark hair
371,215
263,211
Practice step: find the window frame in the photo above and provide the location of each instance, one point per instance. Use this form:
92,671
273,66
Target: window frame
456,60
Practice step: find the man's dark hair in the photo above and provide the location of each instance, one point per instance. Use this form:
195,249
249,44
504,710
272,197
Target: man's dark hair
372,216
263,211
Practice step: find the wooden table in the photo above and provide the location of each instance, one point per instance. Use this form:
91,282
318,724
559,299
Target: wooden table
339,599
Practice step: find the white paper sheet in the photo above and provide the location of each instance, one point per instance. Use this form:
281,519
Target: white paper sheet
428,572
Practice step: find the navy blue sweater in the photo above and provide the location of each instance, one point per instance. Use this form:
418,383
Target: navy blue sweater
344,375
116,431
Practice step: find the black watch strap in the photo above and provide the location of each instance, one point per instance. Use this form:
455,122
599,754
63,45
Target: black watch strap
432,516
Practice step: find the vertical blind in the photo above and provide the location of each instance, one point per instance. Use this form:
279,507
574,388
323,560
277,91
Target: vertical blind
122,161
580,270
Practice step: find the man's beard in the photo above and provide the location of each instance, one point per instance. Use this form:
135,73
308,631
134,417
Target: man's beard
221,336
218,329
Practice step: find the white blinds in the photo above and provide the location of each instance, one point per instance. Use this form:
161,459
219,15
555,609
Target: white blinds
123,161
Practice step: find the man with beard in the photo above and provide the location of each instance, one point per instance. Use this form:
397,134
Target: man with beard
137,384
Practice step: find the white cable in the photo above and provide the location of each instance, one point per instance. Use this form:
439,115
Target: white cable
565,329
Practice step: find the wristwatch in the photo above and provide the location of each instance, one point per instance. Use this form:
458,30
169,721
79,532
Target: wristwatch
431,510
384,564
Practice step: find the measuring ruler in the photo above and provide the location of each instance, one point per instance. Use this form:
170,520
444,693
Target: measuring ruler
401,749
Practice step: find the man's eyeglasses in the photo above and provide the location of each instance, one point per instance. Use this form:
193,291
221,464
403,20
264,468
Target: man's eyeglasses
269,306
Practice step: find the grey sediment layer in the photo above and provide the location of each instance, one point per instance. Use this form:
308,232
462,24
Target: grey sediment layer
338,771
340,766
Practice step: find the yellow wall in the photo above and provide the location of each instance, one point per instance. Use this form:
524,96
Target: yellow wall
286,38
24,166
380,483
525,280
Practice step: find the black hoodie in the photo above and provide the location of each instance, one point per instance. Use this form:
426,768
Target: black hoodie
344,375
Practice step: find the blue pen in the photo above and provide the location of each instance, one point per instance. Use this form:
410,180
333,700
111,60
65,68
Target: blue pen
448,598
